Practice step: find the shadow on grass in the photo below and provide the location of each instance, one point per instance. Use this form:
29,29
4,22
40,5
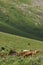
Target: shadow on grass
21,33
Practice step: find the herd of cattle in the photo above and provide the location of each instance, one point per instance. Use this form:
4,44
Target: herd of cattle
24,53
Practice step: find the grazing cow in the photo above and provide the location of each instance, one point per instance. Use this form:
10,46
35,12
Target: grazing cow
27,53
30,53
13,53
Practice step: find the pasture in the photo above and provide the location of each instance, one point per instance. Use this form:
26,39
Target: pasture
21,28
18,43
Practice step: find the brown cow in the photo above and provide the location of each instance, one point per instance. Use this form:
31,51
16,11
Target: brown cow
28,53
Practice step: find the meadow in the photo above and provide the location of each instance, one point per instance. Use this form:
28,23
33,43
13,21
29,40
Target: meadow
21,19
21,28
18,43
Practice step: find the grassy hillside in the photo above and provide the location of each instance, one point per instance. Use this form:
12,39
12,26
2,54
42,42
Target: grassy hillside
18,43
21,27
21,18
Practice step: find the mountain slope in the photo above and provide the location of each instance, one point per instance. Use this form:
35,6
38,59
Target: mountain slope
21,18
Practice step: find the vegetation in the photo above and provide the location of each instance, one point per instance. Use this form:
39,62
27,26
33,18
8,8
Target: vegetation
16,61
21,27
20,18
19,43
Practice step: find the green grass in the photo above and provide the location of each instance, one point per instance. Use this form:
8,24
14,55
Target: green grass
15,42
21,20
15,61
19,43
21,27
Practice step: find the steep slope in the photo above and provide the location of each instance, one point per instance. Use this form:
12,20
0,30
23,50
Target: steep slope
21,18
